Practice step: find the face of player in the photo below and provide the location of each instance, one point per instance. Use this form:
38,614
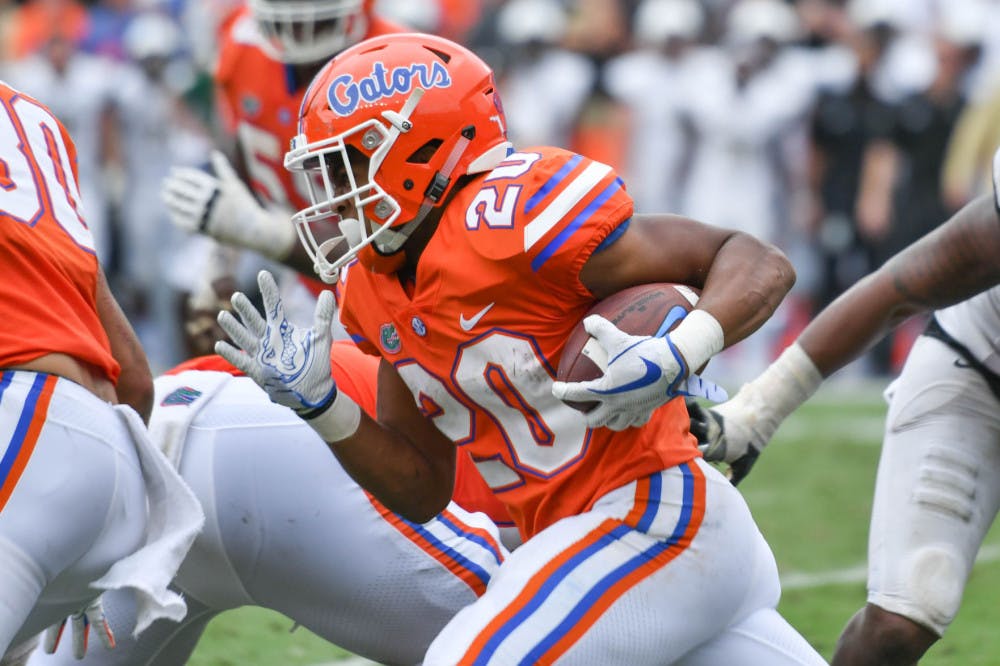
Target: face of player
346,176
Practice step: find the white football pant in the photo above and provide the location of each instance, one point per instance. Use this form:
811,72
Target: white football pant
938,485
287,529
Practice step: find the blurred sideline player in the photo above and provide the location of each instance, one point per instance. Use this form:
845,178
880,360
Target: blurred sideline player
75,389
473,264
269,52
938,485
287,529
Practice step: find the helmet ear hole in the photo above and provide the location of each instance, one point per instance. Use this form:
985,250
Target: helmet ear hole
425,153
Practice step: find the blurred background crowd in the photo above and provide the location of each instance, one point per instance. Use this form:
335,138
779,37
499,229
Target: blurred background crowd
840,130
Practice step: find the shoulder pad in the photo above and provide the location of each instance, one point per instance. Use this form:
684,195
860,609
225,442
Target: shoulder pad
542,200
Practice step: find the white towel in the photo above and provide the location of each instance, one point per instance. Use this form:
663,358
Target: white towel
174,520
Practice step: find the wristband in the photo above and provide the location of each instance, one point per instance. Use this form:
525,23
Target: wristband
698,338
340,421
272,234
781,388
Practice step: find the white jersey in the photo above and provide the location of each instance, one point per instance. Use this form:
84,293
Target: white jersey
740,132
657,137
975,323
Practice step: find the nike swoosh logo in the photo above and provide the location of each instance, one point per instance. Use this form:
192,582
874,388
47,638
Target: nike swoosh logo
675,315
962,363
653,374
467,324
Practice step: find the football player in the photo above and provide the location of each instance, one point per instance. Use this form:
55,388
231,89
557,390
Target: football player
467,265
269,51
75,389
938,485
287,529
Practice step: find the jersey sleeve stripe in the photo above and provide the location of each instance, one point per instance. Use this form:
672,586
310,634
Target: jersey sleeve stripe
552,182
577,222
358,339
574,193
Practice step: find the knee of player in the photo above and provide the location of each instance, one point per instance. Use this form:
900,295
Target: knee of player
937,578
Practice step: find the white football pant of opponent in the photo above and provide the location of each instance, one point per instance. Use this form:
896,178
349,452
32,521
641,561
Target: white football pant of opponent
938,485
288,530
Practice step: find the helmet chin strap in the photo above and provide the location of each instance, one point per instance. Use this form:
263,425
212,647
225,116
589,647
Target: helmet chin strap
394,239
439,184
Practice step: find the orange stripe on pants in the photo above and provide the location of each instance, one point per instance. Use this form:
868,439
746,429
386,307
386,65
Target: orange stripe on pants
26,441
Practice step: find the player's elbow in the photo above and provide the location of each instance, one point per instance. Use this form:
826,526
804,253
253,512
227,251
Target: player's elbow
135,388
423,495
784,271
425,507
775,271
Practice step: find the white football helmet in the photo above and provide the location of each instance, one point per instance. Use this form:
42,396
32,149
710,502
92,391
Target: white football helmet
306,31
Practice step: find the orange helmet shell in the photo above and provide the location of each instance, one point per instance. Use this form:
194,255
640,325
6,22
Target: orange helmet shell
422,109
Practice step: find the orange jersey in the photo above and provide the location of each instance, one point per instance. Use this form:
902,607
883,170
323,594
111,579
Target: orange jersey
259,99
50,270
479,336
356,374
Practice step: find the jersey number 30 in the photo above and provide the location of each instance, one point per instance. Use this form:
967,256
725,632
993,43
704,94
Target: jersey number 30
36,177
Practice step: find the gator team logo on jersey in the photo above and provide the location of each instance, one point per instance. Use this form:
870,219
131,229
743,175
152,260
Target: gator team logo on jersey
185,395
345,94
390,338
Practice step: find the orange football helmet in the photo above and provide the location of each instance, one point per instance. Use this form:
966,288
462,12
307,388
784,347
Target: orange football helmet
422,111
307,31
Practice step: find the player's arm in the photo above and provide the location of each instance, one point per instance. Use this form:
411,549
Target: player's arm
221,205
952,263
402,459
135,383
742,278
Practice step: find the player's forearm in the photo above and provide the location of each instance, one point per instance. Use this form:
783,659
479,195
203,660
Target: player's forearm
745,284
387,464
135,383
949,265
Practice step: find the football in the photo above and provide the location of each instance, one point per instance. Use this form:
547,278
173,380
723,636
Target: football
639,310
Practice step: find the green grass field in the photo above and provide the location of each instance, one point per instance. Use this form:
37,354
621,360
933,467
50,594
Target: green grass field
811,495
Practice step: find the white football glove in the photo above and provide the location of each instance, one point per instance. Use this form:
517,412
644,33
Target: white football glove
643,373
81,621
291,363
221,206
726,434
736,431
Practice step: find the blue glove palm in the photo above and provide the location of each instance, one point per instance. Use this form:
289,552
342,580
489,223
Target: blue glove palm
291,363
